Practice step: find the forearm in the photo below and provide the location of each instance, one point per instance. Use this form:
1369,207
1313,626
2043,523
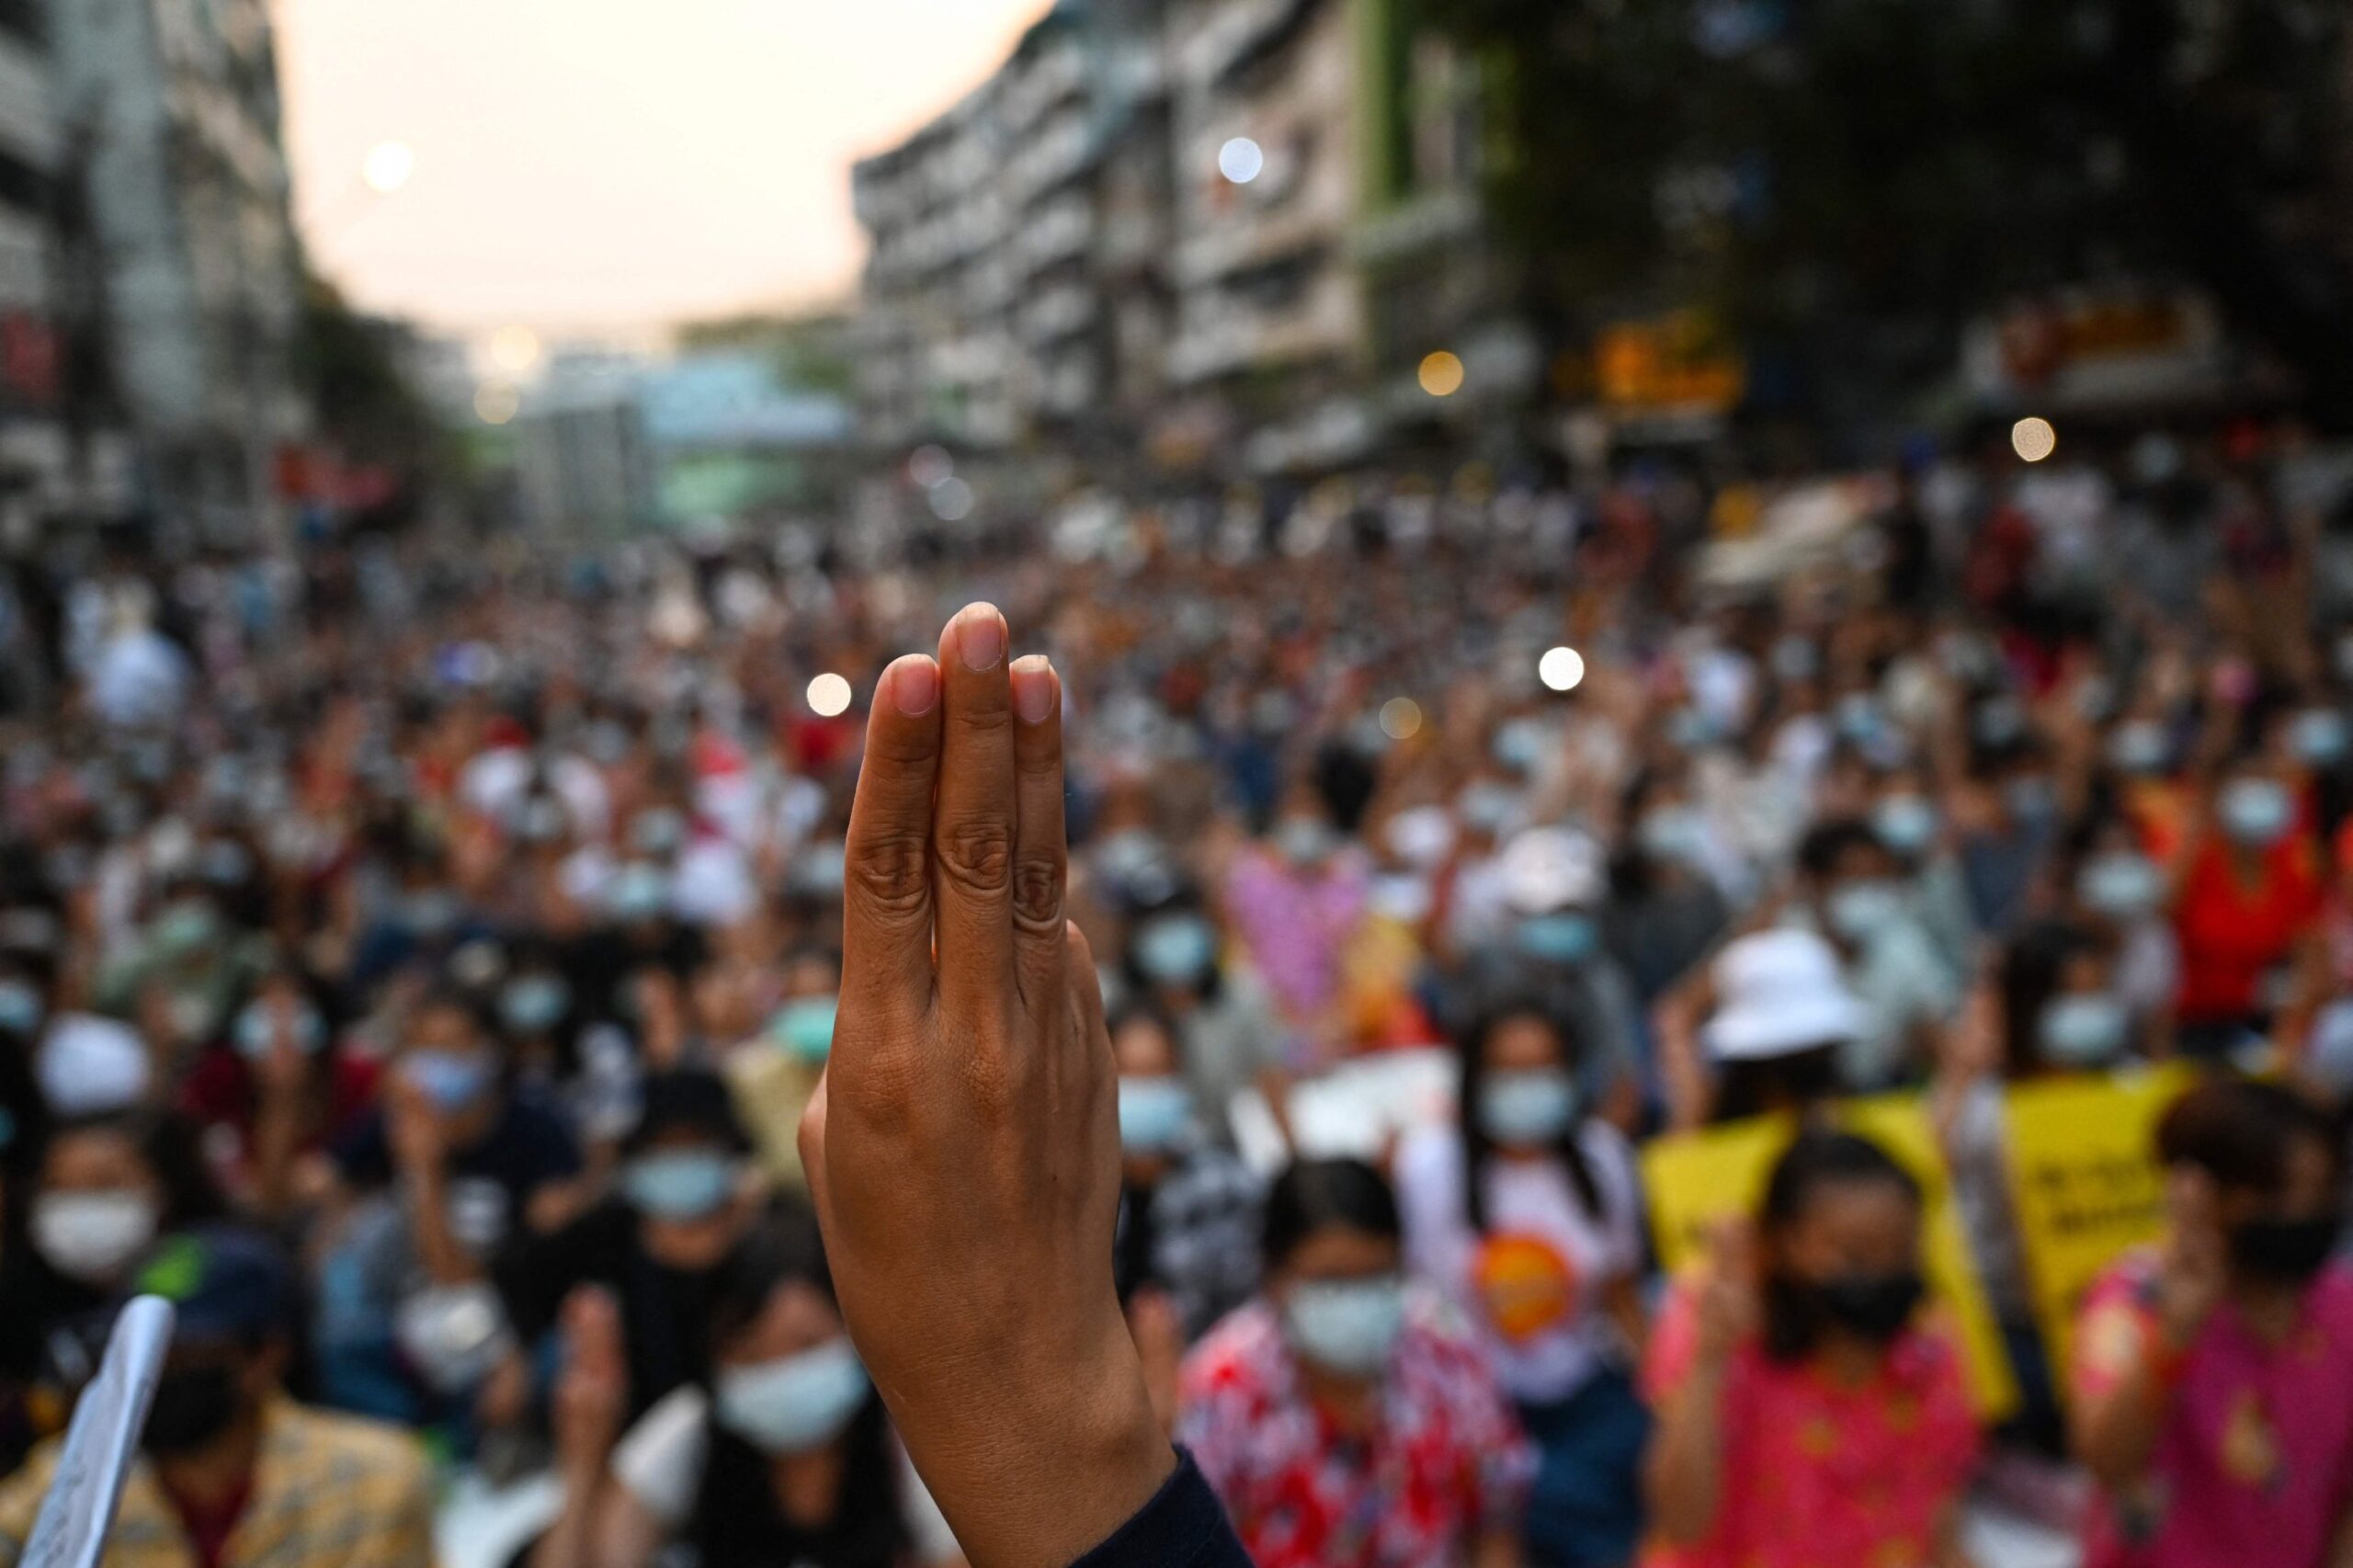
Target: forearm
445,1262
1684,1473
570,1541
2116,1435
1495,1549
278,1141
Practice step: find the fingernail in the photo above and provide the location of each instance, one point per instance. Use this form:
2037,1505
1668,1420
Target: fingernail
1033,689
979,637
914,686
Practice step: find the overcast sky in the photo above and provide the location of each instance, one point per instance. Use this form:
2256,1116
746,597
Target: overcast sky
601,166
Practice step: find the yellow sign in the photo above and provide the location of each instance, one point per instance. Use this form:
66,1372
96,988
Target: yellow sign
2084,1183
1698,1180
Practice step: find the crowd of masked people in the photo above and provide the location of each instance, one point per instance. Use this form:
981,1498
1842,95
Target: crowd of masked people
414,964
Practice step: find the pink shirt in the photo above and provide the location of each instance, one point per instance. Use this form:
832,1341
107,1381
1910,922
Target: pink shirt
2256,1458
1296,926
1818,1474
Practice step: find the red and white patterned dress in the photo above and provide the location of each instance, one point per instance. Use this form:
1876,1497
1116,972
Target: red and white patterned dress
1446,1462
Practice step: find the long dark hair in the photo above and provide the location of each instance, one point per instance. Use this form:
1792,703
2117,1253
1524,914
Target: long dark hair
1478,1148
1316,1194
1815,1159
2032,969
737,1523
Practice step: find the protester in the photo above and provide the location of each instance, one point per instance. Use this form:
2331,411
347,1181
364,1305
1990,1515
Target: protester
787,1457
1808,1411
2213,1374
1529,1214
235,1474
1337,1417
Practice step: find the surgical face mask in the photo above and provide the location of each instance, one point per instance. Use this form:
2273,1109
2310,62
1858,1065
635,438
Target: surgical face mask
1175,949
1998,722
679,1184
805,1028
657,832
1154,1114
640,892
1488,808
2285,1252
2138,746
794,1404
432,913
453,1080
541,822
1795,658
1860,911
1690,729
1305,841
2317,737
1527,1107
1348,1326
1566,936
1401,896
1520,743
21,1007
1906,824
2086,1030
225,862
1677,833
185,927
193,1405
256,1031
1861,720
533,1003
2032,798
2121,885
452,1334
93,1237
2256,812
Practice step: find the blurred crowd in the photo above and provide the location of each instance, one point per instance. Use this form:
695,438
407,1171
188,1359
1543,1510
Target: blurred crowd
414,962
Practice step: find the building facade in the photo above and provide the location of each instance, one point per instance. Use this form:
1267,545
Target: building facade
32,440
172,110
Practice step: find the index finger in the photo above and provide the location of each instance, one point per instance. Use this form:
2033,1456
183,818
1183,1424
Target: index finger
886,875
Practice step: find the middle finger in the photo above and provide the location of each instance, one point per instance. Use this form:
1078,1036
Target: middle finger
973,817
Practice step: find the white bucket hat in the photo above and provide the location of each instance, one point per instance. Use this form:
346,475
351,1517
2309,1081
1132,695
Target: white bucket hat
1779,993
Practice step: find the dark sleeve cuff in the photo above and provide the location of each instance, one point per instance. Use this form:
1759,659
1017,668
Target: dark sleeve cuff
1184,1525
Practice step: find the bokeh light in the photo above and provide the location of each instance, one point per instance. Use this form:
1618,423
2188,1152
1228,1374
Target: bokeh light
1441,374
514,349
2033,438
951,500
1400,718
829,696
1560,669
1241,160
387,166
930,466
496,403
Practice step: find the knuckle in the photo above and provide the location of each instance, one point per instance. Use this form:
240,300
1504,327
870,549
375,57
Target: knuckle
889,875
1038,894
977,855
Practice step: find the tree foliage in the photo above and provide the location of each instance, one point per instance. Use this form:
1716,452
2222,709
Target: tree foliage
1901,165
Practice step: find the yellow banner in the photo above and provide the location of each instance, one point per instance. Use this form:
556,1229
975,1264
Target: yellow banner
2084,1183
1697,1180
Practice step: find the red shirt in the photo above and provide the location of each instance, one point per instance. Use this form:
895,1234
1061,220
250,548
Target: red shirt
209,1524
2234,933
221,1099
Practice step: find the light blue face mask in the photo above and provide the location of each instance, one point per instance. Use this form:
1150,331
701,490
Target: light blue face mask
640,892
795,1403
1488,808
185,927
2256,812
1348,1326
1305,841
21,1007
657,832
2085,1030
2121,885
452,1080
2139,746
256,1028
1527,1107
432,914
1175,949
1677,833
1154,1114
1563,937
1906,825
2318,737
805,1028
1860,911
1520,743
534,1004
678,1183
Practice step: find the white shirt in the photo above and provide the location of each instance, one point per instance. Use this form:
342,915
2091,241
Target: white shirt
659,1462
1534,1284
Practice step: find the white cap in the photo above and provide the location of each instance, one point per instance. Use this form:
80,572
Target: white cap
1547,870
90,1066
1779,993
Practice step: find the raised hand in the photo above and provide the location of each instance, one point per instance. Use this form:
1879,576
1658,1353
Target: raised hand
964,1147
592,1390
2194,1268
1729,1306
